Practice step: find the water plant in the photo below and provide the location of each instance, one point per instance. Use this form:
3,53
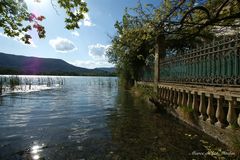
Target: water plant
1,85
12,83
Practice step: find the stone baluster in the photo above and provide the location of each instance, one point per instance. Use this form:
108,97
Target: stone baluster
231,115
189,100
179,98
211,110
220,115
171,97
202,107
163,93
195,103
168,95
238,119
175,98
160,92
184,99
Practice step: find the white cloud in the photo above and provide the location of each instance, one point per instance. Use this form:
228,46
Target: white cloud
86,21
98,51
62,45
91,64
18,39
75,33
98,54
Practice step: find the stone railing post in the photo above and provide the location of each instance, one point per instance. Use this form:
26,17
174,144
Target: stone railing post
211,110
163,93
220,115
189,100
195,104
184,98
231,115
160,92
238,119
179,98
175,98
171,97
168,95
202,107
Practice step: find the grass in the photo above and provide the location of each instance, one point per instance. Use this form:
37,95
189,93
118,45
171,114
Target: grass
145,91
187,109
236,144
234,126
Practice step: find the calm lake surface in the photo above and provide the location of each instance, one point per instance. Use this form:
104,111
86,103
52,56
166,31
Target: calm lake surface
92,118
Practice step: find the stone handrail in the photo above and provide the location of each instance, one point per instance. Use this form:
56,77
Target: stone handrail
218,105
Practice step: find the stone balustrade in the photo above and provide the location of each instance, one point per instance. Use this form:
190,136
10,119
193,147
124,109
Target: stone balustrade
220,106
217,107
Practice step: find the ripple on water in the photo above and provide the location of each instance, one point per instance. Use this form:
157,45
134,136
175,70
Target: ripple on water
79,135
88,120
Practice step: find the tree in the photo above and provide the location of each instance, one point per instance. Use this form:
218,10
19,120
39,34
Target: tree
173,27
16,20
130,47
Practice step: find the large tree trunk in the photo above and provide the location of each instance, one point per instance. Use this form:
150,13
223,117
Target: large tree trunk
159,54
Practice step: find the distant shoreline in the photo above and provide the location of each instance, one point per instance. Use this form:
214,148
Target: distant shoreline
59,75
11,71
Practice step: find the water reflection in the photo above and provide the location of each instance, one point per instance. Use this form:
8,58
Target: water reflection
90,118
138,132
36,150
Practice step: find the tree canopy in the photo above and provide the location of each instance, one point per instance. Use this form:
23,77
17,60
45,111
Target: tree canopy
16,20
174,26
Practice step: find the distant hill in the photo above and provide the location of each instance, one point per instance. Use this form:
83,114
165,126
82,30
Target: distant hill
15,64
110,69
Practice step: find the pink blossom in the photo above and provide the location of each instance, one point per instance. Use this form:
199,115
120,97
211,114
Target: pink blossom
32,17
40,18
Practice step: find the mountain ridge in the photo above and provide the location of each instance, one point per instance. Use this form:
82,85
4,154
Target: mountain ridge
108,69
31,65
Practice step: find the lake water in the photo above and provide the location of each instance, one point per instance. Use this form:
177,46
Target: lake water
92,118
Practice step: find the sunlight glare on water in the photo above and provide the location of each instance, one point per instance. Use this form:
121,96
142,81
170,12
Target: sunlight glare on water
36,150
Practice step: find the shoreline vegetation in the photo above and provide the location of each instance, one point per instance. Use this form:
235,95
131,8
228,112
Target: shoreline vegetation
10,84
13,83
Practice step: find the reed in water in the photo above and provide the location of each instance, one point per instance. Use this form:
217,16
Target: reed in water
10,84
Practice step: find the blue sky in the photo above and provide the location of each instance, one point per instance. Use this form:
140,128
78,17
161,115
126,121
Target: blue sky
84,47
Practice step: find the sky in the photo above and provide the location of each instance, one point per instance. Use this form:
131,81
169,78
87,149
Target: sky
85,47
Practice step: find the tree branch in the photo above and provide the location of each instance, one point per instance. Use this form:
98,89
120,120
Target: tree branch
220,9
54,7
196,8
